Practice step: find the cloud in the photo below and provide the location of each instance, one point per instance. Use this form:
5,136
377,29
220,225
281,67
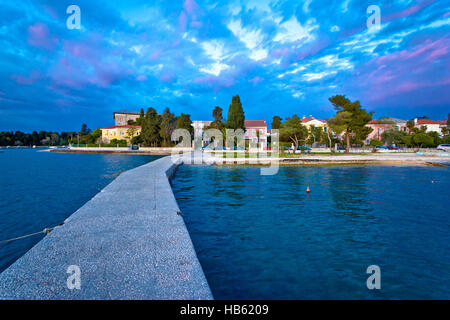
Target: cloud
251,38
192,52
39,37
293,31
335,29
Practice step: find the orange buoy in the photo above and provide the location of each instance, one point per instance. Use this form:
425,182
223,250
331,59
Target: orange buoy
308,190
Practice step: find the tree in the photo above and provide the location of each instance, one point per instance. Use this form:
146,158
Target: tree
236,118
337,125
168,124
217,123
184,122
391,137
35,138
353,121
131,133
411,126
316,135
151,128
140,121
293,130
276,122
422,139
375,142
84,130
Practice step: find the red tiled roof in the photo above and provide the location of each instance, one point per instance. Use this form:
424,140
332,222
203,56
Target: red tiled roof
255,123
123,127
427,121
310,118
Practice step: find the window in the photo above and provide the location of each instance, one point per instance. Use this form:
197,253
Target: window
122,133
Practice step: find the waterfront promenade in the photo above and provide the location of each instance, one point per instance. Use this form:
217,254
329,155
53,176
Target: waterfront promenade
129,242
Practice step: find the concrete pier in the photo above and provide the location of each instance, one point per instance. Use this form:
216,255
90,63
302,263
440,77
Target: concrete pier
129,242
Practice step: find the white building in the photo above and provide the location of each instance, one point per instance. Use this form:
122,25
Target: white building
255,132
430,125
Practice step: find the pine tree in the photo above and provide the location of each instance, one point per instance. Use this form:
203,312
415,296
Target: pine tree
168,124
236,118
150,128
351,118
276,122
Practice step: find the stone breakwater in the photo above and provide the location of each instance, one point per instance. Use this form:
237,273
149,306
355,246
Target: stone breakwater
128,242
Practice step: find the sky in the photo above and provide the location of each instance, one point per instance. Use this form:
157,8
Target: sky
281,57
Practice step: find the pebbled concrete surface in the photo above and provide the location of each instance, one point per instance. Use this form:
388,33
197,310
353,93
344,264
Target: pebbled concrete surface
128,241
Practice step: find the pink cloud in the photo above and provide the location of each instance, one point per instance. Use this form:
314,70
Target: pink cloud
196,24
39,37
155,55
141,78
167,77
256,80
408,11
182,21
191,7
26,80
277,53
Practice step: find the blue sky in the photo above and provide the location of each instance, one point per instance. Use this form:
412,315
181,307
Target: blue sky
281,57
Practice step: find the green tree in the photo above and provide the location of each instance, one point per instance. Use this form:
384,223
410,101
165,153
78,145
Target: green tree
276,122
139,121
184,122
353,121
35,139
168,124
337,126
316,135
391,137
151,128
422,139
96,135
293,131
84,130
217,123
375,142
411,126
131,132
236,118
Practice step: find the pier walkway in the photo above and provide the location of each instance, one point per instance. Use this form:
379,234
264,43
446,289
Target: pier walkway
129,242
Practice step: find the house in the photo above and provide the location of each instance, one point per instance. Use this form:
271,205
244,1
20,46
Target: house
399,124
378,126
125,132
313,122
122,117
255,131
430,125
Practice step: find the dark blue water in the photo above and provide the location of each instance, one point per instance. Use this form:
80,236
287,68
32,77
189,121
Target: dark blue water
42,189
263,237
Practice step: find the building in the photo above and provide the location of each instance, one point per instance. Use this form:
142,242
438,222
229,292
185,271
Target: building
430,125
126,132
399,124
255,132
378,126
313,122
122,117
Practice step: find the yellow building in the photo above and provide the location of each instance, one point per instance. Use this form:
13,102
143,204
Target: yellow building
126,132
311,121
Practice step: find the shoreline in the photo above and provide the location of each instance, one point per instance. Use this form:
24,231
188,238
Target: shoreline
390,159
